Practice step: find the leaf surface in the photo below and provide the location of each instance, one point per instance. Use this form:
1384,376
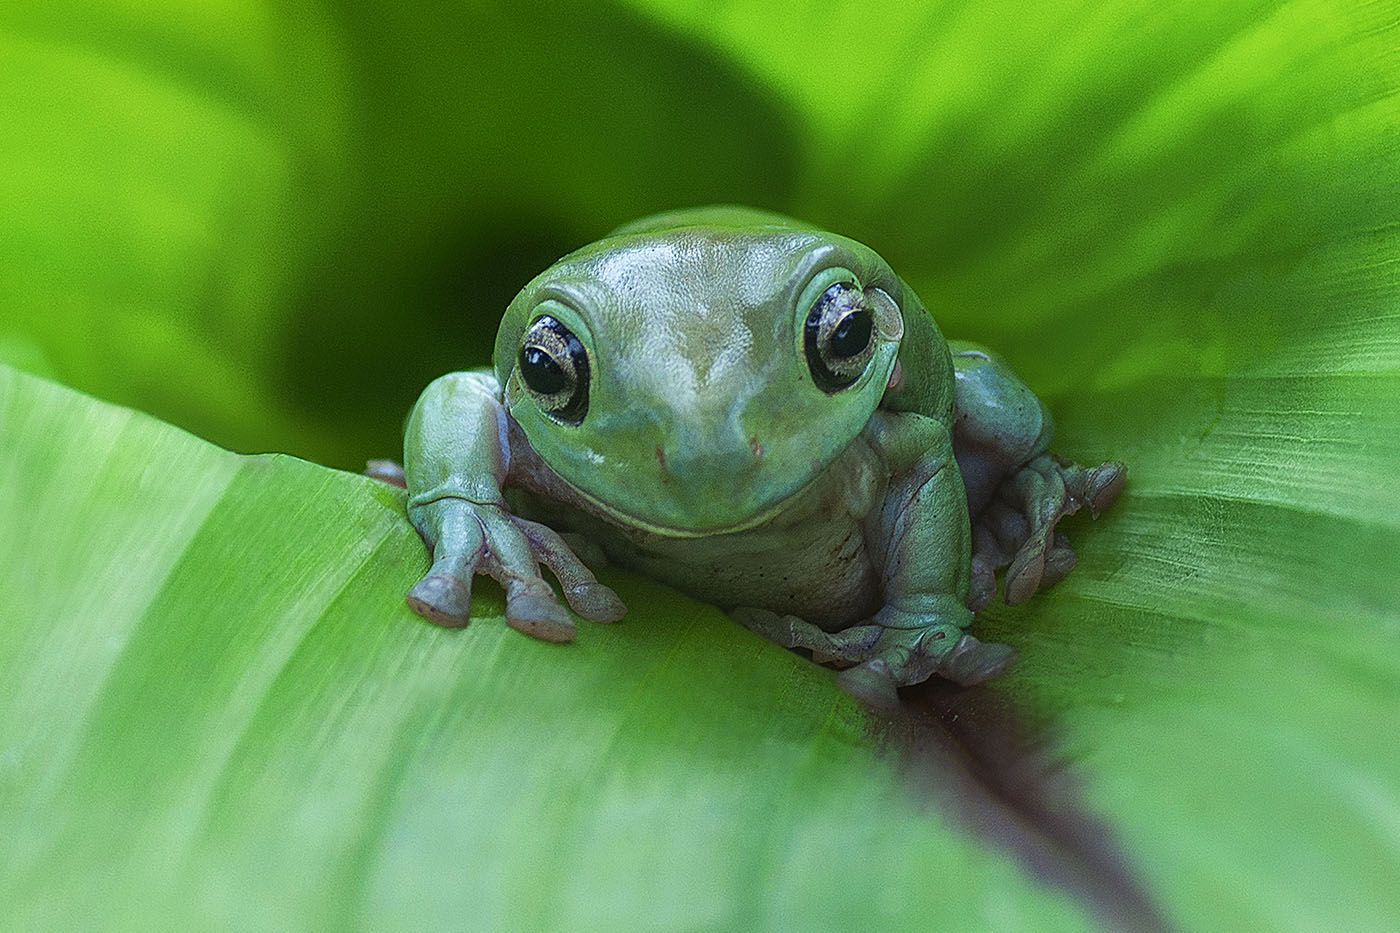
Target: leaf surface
273,225
215,709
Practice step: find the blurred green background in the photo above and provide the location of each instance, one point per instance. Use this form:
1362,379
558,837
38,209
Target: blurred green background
273,223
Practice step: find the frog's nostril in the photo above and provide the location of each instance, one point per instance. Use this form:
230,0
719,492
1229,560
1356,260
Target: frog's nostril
710,465
716,454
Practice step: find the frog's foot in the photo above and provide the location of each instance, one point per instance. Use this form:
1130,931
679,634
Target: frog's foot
386,471
585,549
913,647
845,647
482,538
913,656
892,651
585,594
1018,527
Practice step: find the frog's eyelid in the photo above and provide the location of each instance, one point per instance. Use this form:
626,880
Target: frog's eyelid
567,293
815,262
563,303
579,299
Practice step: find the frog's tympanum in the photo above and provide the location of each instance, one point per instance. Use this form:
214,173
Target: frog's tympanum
763,415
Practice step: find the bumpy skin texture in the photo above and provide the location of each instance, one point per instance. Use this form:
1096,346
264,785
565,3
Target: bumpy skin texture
761,414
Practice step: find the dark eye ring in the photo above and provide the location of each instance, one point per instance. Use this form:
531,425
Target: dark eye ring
554,367
837,337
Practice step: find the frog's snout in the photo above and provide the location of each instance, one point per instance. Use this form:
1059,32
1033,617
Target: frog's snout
722,459
709,471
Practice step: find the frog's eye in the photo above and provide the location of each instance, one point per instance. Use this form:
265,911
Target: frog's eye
554,367
837,337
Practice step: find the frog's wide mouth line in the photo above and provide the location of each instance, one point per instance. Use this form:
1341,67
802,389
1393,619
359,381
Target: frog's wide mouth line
758,517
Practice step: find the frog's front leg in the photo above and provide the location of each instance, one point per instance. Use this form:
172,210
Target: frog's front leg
924,534
920,539
455,465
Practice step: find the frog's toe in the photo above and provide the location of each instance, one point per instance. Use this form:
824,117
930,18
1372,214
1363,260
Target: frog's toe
973,662
1019,527
786,630
1058,562
539,616
847,646
595,602
441,598
909,656
1039,565
982,586
1026,572
585,594
1103,484
871,683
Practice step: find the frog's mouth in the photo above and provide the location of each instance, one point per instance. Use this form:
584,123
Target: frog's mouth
759,516
699,475
758,506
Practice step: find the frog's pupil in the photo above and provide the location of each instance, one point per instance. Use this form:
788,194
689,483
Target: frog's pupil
541,373
851,335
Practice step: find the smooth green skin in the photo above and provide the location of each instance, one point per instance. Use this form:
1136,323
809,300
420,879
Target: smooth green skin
710,459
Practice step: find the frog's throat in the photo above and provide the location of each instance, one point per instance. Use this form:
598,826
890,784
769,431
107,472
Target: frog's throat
628,520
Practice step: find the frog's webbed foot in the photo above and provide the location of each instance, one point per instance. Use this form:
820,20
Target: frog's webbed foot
895,649
914,646
911,656
585,549
845,647
485,538
1018,527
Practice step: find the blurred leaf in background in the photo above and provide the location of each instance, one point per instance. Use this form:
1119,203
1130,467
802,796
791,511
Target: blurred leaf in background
274,224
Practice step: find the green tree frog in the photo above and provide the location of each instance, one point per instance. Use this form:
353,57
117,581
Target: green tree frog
763,415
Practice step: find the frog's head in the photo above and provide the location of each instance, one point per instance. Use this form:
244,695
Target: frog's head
688,379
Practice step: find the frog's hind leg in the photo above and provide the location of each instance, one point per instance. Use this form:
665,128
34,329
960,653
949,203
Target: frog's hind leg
887,655
1017,492
1018,527
848,646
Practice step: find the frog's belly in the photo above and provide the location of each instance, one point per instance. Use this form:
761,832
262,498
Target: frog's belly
821,571
819,558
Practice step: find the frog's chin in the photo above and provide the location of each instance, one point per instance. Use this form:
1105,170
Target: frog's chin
762,512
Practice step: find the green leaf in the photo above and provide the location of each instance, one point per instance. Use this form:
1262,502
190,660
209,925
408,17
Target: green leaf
1181,225
216,709
273,227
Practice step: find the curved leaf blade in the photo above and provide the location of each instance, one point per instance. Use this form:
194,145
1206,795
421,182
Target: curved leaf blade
215,708
1179,223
